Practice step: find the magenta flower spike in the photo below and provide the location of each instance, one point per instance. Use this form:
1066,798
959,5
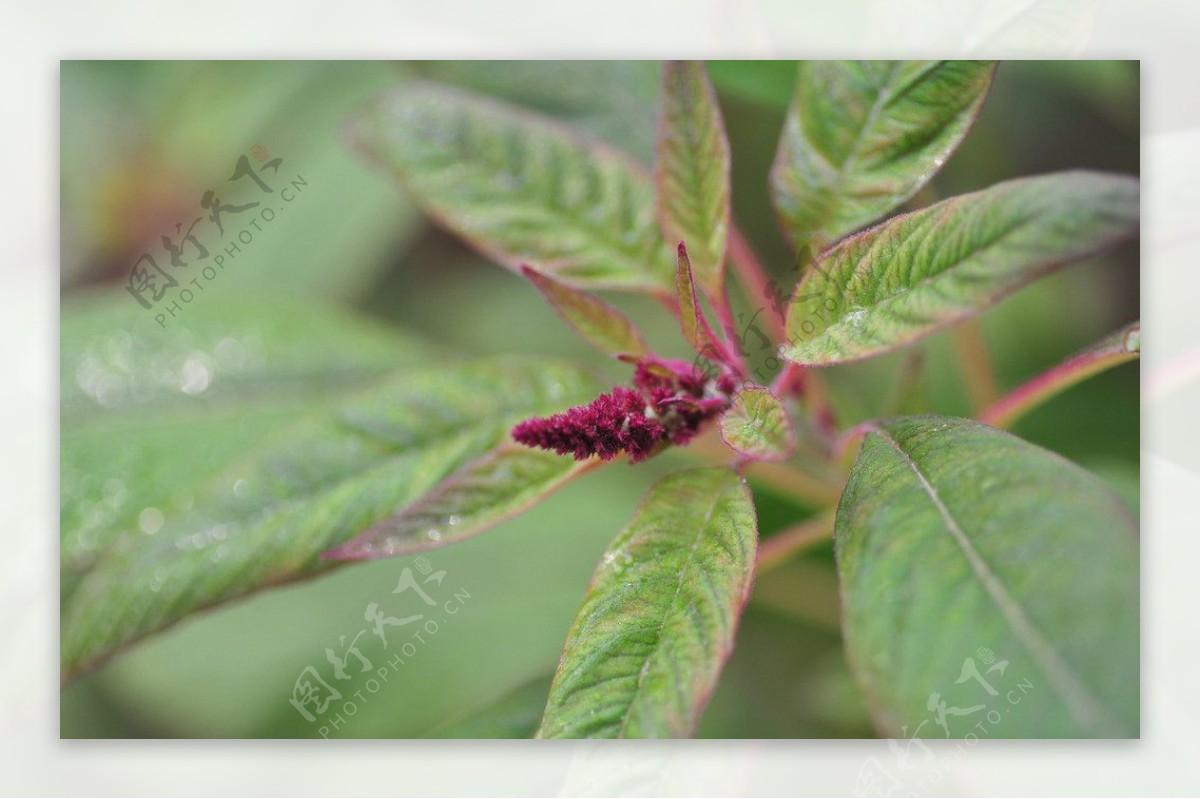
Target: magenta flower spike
670,402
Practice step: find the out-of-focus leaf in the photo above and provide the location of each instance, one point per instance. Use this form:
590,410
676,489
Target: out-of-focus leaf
757,426
863,136
658,619
600,324
768,83
986,575
692,170
139,152
520,188
612,100
267,520
483,493
918,272
514,715
149,412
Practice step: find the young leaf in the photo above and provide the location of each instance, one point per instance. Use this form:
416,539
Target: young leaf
696,328
519,187
267,520
658,619
757,426
918,272
483,493
862,137
600,324
692,169
987,580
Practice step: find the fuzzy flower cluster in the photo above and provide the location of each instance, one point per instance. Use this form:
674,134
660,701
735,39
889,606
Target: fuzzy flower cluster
669,402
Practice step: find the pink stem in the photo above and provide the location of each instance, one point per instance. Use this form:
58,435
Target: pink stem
778,548
1116,349
753,278
790,380
725,321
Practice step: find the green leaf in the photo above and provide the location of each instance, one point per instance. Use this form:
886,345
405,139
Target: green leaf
692,170
519,187
482,494
960,548
613,100
862,137
757,426
267,519
148,412
597,322
514,715
658,619
916,273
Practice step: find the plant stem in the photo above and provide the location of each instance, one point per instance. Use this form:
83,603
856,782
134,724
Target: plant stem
1121,346
789,480
975,364
909,395
733,352
795,377
778,548
753,278
803,590
795,482
790,380
820,405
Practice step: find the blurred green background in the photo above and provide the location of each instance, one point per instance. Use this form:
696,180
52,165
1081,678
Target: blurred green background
140,143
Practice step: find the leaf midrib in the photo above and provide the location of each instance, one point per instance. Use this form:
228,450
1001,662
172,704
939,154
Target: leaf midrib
1080,702
881,100
688,563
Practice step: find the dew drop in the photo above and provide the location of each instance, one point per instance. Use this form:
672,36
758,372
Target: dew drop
114,493
197,374
150,521
855,317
